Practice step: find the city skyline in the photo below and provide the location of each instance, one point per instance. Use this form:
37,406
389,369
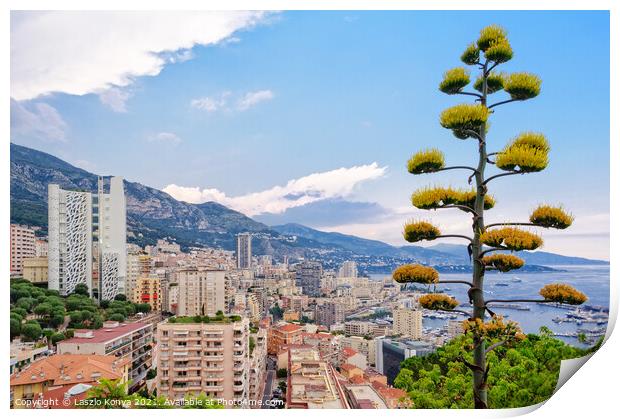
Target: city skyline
330,150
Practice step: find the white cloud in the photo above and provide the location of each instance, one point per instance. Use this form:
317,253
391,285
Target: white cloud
225,101
211,104
115,99
165,137
79,52
297,192
38,120
252,98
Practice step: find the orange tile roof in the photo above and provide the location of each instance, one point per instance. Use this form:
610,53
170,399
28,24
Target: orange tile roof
357,379
347,367
289,327
349,352
59,393
392,393
378,385
70,369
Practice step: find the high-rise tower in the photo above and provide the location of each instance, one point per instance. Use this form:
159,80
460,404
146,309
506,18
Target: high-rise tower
244,251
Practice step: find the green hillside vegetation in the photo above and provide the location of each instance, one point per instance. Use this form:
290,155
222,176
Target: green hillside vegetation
522,375
36,312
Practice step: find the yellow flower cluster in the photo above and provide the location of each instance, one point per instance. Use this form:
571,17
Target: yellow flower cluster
528,152
563,293
454,80
438,302
471,55
416,231
415,273
491,35
502,262
551,217
499,51
512,239
437,197
522,86
464,117
426,161
495,83
496,328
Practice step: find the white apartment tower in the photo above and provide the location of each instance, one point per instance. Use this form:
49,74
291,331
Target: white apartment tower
111,227
244,251
70,239
86,230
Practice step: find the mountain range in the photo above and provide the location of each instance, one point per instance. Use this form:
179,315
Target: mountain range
153,214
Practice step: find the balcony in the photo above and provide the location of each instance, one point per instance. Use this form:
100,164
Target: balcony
213,357
238,387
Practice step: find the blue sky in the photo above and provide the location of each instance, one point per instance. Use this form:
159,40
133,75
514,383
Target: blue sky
310,116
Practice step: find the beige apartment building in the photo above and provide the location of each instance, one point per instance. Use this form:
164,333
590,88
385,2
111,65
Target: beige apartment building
147,289
408,322
132,341
201,292
35,270
23,246
312,382
138,265
209,358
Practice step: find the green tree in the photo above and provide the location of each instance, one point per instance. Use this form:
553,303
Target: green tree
281,373
117,317
519,376
526,153
109,390
31,331
81,289
16,328
120,297
57,337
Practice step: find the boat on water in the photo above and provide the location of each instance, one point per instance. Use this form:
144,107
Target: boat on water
516,279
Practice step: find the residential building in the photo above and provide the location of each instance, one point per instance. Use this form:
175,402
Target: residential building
408,323
455,328
244,251
131,341
312,382
24,354
22,247
329,314
40,248
362,345
283,334
308,277
35,270
110,215
364,396
258,359
70,239
352,357
139,264
201,292
56,371
209,358
295,302
391,352
148,290
348,270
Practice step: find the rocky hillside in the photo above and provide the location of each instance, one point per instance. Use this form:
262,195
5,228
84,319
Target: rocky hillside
153,214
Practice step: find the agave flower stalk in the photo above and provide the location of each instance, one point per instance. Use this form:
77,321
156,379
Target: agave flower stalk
527,153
